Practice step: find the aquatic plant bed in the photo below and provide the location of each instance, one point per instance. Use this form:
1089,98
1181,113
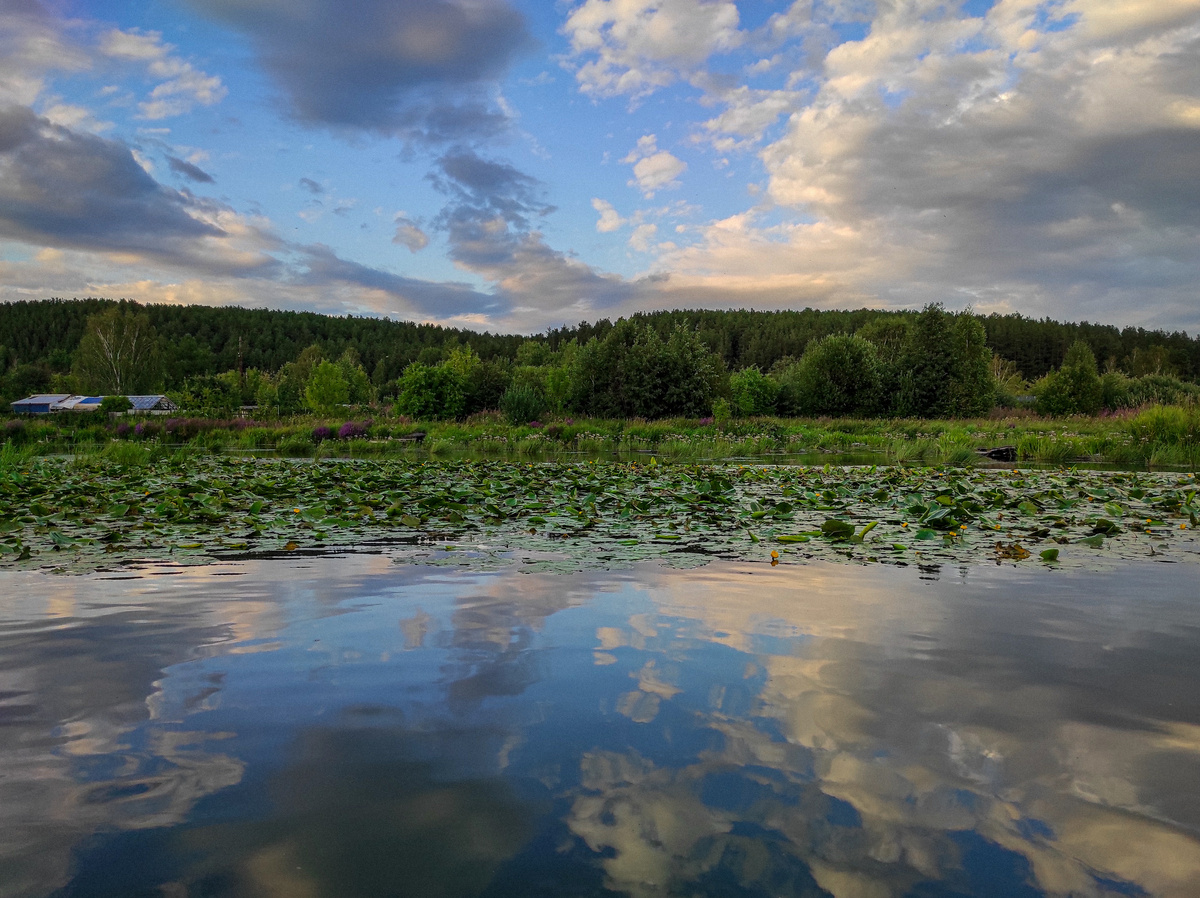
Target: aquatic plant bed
91,514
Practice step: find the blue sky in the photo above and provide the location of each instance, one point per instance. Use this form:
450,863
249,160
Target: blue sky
515,165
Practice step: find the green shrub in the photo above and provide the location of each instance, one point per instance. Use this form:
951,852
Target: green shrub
522,403
115,405
753,393
429,393
1074,389
1114,391
837,375
1161,389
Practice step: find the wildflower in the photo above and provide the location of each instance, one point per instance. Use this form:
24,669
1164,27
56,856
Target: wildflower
296,510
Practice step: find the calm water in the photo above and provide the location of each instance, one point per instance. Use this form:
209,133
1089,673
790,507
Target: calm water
353,727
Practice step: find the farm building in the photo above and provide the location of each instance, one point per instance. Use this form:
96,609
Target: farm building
41,404
78,404
153,405
47,403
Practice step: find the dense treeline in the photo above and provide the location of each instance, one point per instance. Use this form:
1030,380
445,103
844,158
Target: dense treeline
203,340
746,338
653,365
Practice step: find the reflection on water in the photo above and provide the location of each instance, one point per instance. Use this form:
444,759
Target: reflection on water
352,727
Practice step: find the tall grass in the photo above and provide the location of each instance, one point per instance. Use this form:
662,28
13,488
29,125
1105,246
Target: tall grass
13,457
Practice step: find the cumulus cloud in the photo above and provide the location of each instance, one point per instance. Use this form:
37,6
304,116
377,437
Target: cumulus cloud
417,68
485,188
409,234
635,46
610,220
489,223
747,115
997,160
641,237
65,189
182,85
653,169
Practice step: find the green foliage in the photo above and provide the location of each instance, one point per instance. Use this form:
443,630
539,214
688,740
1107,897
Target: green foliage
838,375
1074,389
327,388
216,395
944,367
972,387
118,353
24,380
1159,388
360,390
1149,360
522,403
1114,391
1009,384
753,394
1167,424
633,373
429,393
115,405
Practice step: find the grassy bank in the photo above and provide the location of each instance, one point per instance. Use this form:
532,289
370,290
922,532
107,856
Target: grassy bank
1160,436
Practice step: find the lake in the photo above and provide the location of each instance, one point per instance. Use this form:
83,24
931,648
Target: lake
345,725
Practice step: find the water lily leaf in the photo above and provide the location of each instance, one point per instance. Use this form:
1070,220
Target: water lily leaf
1048,555
792,538
835,529
925,533
410,520
1095,542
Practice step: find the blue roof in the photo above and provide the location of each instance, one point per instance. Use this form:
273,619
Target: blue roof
146,403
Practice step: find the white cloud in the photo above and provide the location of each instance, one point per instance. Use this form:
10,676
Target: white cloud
987,160
634,46
182,86
609,219
32,44
653,169
639,241
748,114
409,234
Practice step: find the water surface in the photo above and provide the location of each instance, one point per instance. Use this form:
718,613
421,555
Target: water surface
348,726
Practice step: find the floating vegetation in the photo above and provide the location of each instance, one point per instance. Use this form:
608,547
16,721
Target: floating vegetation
99,511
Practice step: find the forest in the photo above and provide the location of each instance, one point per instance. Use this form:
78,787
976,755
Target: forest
654,365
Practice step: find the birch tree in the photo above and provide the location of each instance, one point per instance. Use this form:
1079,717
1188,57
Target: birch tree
119,353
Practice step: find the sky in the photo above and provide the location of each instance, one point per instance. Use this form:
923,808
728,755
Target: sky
516,165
